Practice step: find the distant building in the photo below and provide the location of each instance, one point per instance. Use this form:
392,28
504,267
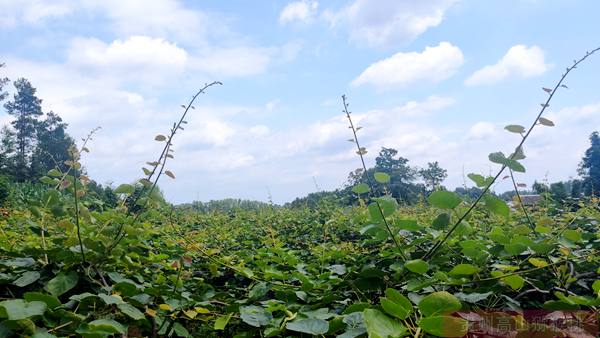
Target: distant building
531,199
528,200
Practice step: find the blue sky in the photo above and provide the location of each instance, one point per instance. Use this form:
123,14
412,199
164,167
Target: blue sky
437,80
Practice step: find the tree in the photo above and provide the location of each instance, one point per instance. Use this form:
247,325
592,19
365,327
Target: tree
3,82
539,188
402,176
589,168
469,193
433,176
26,108
576,188
53,144
558,191
7,150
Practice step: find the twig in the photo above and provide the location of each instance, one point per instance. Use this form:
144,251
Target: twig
161,159
371,183
512,178
75,179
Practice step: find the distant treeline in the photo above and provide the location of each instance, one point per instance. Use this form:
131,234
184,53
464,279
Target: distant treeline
226,205
409,185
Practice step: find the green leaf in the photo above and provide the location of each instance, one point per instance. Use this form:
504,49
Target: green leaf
445,326
62,283
543,229
124,189
497,206
27,278
255,315
258,291
375,213
538,262
473,297
361,188
309,325
46,180
441,221
440,302
572,235
408,225
222,321
518,154
381,326
497,157
180,330
110,299
17,309
596,287
479,180
355,325
396,304
131,311
82,296
19,262
545,122
54,173
381,177
514,281
417,266
444,199
514,165
463,270
51,301
396,297
393,309
388,205
107,325
515,128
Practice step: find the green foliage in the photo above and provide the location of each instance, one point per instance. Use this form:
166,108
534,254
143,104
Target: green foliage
589,168
4,189
280,271
444,200
433,175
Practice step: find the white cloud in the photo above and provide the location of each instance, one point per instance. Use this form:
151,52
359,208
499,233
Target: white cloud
434,64
481,130
520,61
160,18
155,59
168,19
389,22
133,54
302,11
259,130
15,12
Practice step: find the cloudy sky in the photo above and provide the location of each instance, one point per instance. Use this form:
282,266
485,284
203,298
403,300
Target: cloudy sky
435,79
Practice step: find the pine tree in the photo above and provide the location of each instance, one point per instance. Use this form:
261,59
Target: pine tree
26,108
3,81
7,151
589,168
52,146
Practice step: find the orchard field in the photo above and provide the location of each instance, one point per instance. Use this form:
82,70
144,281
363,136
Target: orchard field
280,272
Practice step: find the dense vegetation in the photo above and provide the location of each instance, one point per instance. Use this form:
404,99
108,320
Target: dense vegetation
386,256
